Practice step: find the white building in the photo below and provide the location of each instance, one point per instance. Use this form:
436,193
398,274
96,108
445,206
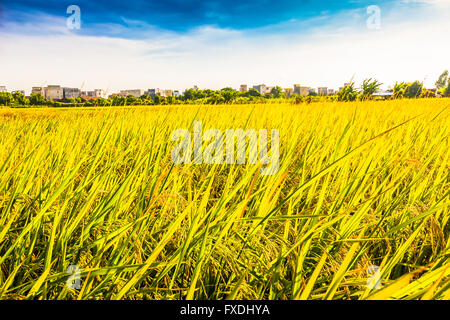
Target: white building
303,91
261,88
288,92
322,91
97,93
137,93
54,92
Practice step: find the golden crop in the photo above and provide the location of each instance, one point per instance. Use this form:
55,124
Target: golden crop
359,184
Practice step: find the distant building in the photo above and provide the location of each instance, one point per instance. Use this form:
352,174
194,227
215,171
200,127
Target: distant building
322,91
71,93
288,92
19,91
261,88
195,88
134,92
154,92
87,95
97,93
312,90
383,95
168,93
39,90
304,91
243,88
3,89
54,92
177,93
331,92
269,90
298,89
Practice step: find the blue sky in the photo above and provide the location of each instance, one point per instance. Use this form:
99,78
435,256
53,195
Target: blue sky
183,15
180,43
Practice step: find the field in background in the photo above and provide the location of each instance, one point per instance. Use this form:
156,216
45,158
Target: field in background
360,184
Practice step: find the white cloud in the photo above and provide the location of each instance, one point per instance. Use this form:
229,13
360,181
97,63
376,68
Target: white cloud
215,58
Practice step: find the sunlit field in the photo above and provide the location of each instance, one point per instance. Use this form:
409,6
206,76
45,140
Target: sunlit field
359,184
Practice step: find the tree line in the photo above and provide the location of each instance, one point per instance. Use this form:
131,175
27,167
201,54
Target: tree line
229,95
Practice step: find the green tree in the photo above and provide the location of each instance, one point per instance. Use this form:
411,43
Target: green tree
19,98
399,90
414,89
6,99
277,92
132,100
446,91
253,93
157,100
443,80
228,94
36,99
188,94
369,87
348,93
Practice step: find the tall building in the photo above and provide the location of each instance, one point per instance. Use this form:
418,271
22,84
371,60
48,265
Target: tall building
71,93
87,95
261,88
322,91
54,92
39,90
243,88
135,93
97,93
304,91
154,92
288,92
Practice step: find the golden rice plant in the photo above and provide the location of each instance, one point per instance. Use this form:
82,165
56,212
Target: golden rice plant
360,184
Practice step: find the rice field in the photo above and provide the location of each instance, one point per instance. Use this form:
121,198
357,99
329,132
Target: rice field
359,184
